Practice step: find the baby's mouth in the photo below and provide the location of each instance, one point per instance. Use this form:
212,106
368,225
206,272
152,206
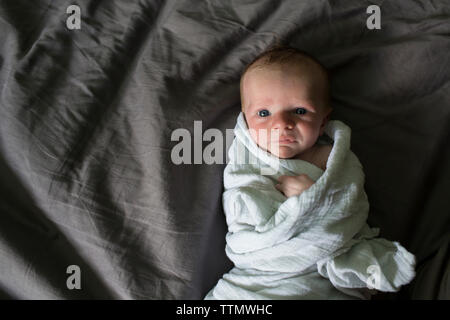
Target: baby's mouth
286,140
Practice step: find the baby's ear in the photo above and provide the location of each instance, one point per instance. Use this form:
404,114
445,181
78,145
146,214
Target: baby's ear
325,120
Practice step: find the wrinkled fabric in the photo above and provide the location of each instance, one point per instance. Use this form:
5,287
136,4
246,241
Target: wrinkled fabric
278,244
86,118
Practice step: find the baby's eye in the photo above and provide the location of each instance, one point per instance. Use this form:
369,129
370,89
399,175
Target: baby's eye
263,113
300,111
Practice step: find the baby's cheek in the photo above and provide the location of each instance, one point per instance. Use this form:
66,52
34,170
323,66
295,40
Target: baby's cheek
253,135
282,152
260,137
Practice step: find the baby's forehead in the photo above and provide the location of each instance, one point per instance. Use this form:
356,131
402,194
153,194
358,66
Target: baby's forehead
309,76
307,73
301,68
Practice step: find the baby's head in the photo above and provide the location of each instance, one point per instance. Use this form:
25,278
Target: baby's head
286,101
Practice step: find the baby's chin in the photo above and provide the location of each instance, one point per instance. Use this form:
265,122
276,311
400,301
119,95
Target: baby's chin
284,152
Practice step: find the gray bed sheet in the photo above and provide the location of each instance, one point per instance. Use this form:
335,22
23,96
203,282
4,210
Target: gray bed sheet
86,118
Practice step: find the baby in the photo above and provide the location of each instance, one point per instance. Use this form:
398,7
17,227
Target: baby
300,232
286,92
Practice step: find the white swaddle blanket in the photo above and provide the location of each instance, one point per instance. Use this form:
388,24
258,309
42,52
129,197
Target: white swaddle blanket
313,246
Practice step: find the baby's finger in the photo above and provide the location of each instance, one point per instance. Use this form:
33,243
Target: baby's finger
281,188
284,179
304,176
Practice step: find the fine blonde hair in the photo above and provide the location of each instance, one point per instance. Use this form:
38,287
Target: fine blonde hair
280,55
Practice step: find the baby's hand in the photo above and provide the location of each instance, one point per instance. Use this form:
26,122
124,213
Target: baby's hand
293,185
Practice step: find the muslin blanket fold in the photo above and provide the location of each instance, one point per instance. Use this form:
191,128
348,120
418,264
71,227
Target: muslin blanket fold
313,246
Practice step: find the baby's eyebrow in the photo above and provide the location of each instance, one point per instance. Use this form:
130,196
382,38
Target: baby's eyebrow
304,106
310,104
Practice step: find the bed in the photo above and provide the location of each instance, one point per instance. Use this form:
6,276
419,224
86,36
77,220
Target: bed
92,205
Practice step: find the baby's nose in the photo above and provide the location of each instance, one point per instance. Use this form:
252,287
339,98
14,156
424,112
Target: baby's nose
283,121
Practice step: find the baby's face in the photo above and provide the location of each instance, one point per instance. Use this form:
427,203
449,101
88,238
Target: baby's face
283,110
